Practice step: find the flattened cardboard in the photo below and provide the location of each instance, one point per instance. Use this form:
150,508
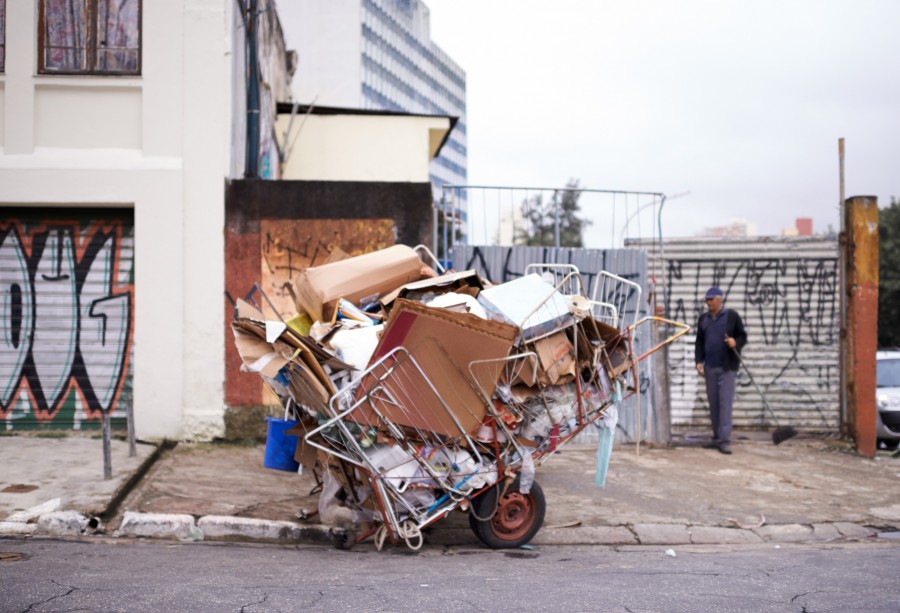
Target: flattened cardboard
447,281
369,276
257,355
443,344
289,343
305,453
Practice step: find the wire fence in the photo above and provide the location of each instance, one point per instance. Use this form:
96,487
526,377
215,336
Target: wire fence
570,216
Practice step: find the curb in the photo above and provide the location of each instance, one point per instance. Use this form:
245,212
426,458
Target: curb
122,492
243,529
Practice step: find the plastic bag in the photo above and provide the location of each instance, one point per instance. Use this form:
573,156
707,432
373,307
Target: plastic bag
605,443
526,474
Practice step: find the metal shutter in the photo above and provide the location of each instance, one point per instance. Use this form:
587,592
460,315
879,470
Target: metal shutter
67,313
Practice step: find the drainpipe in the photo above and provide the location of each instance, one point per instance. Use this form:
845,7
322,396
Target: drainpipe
251,169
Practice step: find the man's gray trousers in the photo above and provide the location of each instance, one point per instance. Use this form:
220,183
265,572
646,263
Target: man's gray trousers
720,384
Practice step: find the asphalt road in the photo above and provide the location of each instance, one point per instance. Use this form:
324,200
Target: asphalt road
123,575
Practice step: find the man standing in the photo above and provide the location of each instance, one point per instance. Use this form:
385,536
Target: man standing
720,332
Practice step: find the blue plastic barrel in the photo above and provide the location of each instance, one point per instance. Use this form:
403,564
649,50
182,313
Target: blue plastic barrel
280,447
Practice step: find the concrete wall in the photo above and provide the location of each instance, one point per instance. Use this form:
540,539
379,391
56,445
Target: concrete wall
361,147
158,143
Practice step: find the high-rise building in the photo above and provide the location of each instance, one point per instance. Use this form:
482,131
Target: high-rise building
378,54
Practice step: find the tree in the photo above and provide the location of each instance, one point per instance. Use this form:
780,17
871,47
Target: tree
889,275
540,217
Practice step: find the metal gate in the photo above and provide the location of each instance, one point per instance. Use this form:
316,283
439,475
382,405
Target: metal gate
67,313
786,290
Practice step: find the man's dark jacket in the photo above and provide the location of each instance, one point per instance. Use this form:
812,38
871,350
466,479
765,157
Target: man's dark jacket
734,327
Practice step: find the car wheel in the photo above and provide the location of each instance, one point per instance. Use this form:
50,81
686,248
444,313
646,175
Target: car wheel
890,445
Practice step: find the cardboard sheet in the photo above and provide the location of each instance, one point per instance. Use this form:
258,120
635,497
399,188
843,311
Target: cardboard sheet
443,343
358,279
445,282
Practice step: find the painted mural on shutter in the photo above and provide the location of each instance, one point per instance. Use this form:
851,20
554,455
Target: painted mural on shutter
786,290
67,313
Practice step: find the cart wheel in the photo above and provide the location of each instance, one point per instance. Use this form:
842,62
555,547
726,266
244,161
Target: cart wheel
517,519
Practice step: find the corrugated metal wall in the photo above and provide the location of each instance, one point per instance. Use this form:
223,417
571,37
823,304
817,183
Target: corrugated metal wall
67,311
502,264
786,290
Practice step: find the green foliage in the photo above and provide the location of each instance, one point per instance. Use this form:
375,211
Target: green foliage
540,217
889,275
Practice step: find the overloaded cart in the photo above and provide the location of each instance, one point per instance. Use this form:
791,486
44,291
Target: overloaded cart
418,391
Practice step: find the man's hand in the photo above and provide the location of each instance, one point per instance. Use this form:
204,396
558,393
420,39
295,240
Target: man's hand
730,342
700,368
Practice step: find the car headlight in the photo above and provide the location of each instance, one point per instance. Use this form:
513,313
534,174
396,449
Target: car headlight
888,401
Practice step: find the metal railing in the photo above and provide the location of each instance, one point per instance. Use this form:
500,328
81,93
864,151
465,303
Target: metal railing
513,215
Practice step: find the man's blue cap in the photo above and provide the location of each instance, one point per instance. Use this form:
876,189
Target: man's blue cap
714,292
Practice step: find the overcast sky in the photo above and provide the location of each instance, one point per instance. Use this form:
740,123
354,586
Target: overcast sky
740,103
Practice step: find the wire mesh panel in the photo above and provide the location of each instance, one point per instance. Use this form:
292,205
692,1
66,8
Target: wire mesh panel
571,216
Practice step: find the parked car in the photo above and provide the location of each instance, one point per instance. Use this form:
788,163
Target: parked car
888,398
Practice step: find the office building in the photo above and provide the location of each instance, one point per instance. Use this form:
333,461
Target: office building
378,54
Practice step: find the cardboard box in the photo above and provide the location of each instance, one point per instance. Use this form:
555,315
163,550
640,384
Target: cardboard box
616,347
363,278
556,357
556,362
443,343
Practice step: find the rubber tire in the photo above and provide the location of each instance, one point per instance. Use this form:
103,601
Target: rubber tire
890,445
508,528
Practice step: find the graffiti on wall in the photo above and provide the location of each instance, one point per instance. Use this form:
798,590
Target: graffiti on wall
66,313
792,300
791,307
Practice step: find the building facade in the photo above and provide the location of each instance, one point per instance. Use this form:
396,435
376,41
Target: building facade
378,54
118,127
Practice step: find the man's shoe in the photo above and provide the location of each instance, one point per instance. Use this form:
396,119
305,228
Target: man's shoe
711,445
725,448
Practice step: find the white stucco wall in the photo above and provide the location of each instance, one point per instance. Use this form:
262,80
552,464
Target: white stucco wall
361,147
158,143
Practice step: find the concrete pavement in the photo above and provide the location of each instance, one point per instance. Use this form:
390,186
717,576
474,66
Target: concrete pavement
806,489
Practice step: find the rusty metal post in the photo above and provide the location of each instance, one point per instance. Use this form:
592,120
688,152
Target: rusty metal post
861,223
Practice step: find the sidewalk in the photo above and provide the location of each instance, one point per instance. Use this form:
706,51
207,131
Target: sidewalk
801,490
